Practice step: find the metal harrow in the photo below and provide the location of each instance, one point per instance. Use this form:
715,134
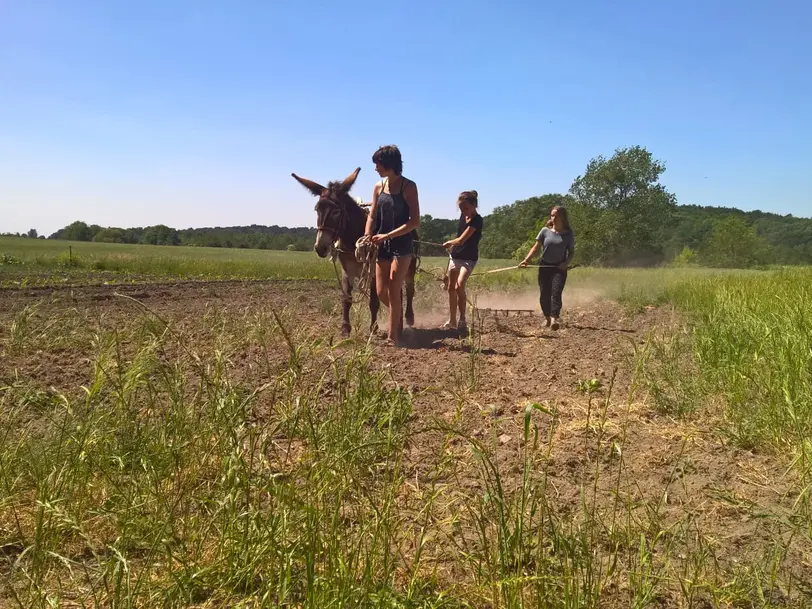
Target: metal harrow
505,312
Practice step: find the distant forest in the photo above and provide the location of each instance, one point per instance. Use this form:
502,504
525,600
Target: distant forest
255,236
621,215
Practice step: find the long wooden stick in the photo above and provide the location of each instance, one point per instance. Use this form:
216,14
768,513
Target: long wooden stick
535,266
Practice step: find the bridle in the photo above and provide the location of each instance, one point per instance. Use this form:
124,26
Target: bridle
340,225
335,231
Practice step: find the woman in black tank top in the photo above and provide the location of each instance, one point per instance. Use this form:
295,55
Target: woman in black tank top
393,218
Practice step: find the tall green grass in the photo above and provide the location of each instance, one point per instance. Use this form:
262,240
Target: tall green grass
741,352
172,480
148,491
748,347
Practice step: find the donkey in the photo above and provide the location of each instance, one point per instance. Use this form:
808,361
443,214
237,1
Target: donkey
342,221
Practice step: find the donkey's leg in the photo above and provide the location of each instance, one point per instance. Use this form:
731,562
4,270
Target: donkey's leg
346,302
409,282
374,306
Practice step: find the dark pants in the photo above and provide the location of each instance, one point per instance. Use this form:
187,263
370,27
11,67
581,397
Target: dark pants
551,285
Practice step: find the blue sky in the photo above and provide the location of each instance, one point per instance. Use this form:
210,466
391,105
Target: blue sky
194,113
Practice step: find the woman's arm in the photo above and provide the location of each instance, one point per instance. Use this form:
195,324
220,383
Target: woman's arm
410,194
570,252
535,248
530,254
373,209
469,231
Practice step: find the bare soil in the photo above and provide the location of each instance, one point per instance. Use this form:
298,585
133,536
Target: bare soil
684,471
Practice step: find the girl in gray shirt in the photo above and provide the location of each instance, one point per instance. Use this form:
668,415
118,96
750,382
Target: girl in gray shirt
557,241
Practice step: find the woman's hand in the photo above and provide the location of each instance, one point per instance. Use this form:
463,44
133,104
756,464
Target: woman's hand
530,254
563,266
379,238
450,243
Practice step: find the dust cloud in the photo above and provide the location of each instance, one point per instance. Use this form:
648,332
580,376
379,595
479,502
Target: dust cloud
573,297
431,310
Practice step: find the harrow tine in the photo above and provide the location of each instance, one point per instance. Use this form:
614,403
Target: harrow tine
505,312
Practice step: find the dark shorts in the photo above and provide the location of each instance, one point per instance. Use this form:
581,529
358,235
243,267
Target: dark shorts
397,247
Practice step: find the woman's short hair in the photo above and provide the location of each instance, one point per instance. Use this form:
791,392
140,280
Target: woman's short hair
388,157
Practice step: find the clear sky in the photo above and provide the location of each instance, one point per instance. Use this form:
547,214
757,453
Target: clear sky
194,112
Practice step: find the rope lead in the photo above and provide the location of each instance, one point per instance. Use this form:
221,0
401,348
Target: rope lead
366,253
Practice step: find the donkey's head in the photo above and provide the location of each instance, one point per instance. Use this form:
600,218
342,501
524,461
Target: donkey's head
332,209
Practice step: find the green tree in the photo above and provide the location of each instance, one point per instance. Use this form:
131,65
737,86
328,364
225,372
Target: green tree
629,207
687,257
32,233
510,227
76,231
110,235
734,244
435,230
583,221
160,234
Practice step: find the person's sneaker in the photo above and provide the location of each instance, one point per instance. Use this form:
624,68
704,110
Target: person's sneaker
556,324
447,326
462,326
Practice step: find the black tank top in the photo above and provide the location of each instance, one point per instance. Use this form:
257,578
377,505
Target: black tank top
393,212
392,209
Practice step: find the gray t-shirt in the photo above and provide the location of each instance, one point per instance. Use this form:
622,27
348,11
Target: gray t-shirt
556,246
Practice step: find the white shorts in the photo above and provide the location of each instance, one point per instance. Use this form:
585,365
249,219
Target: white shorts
456,263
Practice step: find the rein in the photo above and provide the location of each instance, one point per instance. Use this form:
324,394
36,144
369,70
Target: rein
444,278
366,253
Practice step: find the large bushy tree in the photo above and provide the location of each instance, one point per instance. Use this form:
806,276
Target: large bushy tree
734,244
624,208
508,227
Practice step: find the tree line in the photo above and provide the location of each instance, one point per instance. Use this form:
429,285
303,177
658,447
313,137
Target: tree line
621,213
255,236
623,216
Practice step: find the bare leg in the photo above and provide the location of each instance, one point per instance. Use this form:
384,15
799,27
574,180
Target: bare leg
453,275
462,297
382,271
399,268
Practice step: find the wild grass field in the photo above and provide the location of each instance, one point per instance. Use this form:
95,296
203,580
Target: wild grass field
43,262
215,443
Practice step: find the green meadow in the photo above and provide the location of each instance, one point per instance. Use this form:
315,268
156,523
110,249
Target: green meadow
40,261
31,262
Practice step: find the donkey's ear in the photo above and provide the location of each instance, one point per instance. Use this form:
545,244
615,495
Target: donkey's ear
350,180
315,188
